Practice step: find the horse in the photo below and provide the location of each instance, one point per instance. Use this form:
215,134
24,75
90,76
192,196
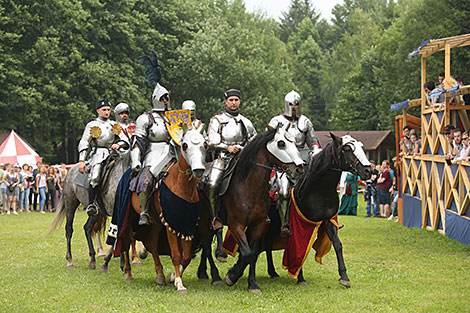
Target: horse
246,201
317,199
74,194
182,180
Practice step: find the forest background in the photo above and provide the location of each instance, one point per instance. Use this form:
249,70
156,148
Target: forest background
58,57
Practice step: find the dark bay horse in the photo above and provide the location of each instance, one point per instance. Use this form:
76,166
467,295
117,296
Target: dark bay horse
247,201
317,199
75,194
182,180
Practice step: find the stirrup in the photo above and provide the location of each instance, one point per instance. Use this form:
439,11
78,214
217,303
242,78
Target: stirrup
144,218
217,224
91,210
285,230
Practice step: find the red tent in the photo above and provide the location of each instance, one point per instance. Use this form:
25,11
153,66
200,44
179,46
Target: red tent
15,150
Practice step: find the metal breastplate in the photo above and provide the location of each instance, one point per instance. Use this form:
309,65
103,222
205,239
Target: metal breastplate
299,136
232,133
106,139
158,132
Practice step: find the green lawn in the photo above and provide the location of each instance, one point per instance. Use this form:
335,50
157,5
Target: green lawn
392,268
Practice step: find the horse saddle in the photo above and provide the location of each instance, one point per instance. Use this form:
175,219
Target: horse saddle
82,179
227,177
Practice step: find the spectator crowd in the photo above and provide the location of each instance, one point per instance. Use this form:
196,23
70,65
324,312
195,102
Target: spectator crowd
27,189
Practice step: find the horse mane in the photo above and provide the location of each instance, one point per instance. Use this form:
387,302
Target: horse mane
249,153
317,165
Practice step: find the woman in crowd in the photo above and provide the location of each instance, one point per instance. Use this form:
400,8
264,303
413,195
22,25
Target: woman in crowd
51,191
27,180
12,180
41,187
416,143
349,199
61,181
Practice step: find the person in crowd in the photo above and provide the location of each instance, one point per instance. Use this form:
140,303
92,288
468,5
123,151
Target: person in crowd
464,152
416,143
12,180
50,194
34,189
349,199
377,172
27,180
61,181
384,182
56,192
19,189
63,168
2,187
394,190
434,95
41,187
371,191
457,146
405,143
449,135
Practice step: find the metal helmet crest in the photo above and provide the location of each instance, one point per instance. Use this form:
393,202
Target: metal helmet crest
120,108
161,98
190,105
292,105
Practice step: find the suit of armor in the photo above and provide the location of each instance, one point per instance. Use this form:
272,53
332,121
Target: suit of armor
226,130
96,142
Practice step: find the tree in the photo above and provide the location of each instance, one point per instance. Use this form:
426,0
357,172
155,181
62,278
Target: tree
298,11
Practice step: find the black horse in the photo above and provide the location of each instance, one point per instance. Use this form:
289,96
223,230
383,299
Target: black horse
317,199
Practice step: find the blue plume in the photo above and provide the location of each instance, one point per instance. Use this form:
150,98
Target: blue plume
153,72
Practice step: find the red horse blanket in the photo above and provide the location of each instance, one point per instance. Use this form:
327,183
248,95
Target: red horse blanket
305,234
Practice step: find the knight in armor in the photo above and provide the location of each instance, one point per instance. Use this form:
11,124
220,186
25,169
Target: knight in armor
121,113
151,149
302,130
191,106
228,133
99,138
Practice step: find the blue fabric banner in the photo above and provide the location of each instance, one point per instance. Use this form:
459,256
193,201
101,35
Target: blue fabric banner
415,52
457,227
411,211
399,106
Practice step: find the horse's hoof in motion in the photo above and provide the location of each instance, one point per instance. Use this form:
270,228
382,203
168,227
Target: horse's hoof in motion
129,279
344,283
92,265
143,253
70,266
217,283
171,278
103,269
302,283
160,280
101,253
91,210
274,275
221,259
228,281
255,290
136,262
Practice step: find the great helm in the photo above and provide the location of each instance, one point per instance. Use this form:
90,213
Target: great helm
190,105
120,108
160,93
291,104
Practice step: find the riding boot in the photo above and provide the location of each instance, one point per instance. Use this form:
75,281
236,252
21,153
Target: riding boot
283,208
216,222
91,209
144,218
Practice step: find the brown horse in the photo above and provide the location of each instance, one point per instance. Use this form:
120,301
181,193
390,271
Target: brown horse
182,180
247,201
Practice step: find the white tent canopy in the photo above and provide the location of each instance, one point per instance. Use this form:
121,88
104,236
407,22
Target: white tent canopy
15,150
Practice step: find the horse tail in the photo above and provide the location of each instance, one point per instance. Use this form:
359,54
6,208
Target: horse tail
100,226
59,217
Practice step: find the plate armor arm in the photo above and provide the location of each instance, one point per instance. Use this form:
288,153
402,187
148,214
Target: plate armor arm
214,135
139,141
84,144
250,129
306,126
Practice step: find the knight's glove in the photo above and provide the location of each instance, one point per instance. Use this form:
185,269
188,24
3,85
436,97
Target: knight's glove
315,150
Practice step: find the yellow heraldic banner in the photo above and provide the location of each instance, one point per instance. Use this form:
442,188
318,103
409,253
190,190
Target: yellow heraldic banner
176,120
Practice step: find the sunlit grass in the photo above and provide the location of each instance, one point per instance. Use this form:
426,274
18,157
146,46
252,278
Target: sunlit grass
392,268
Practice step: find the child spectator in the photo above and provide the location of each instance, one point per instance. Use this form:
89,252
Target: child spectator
41,187
416,143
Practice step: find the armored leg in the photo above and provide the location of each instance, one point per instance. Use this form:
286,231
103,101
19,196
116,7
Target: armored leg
283,204
144,218
91,209
213,178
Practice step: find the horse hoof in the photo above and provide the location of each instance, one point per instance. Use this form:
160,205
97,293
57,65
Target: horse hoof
103,269
217,283
101,254
143,253
136,263
92,265
274,275
70,266
221,259
182,291
344,283
171,278
302,283
129,279
204,279
255,290
160,281
228,281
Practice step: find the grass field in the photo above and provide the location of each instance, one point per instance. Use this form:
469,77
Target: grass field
392,268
